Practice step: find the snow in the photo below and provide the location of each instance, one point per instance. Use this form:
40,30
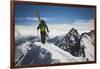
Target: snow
72,38
89,47
25,47
58,54
22,50
25,31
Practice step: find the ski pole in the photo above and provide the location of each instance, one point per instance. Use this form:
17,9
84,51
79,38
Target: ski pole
37,35
48,37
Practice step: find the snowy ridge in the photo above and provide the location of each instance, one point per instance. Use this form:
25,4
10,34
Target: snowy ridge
70,42
49,52
59,54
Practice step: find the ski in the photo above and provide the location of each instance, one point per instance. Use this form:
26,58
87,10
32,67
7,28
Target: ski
38,16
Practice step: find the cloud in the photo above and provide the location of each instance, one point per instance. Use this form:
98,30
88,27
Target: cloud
80,25
19,18
84,24
34,18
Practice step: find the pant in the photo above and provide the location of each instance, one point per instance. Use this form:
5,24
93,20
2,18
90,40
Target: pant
43,37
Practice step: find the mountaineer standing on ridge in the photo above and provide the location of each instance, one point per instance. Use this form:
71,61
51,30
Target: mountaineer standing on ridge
43,30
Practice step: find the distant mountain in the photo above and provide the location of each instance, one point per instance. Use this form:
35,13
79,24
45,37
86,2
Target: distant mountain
70,42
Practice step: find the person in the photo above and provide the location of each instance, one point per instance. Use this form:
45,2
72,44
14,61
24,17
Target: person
43,30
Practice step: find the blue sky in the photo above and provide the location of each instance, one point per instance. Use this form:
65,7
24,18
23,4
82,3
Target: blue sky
25,14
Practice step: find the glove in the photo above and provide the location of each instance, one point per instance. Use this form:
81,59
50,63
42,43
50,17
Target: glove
37,28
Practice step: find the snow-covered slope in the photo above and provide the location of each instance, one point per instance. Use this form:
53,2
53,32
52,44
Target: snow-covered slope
70,42
58,54
43,54
87,41
22,50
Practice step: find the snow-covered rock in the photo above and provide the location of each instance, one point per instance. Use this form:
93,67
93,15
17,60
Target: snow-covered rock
58,54
22,50
87,41
70,42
